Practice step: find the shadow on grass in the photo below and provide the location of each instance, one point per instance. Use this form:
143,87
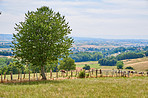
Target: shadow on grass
34,82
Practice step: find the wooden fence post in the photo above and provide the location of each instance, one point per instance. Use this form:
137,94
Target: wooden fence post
125,73
92,71
66,73
61,74
84,72
128,73
100,73
57,74
96,73
1,78
71,74
119,73
18,74
24,74
29,75
89,73
50,74
36,76
76,73
4,75
113,73
21,76
11,76
116,72
106,73
46,73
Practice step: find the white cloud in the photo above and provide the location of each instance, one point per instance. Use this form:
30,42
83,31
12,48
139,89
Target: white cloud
88,18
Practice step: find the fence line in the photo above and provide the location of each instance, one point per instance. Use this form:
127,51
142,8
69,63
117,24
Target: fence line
69,74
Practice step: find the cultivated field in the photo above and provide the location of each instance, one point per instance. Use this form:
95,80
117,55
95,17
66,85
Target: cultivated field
140,64
134,87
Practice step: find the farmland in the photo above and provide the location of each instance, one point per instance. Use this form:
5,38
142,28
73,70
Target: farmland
90,87
140,64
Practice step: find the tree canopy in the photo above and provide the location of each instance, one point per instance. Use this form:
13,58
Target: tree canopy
120,65
67,64
42,38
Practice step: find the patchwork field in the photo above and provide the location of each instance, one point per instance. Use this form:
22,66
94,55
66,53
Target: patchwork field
90,87
140,64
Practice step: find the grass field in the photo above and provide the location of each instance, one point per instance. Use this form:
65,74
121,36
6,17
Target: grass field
140,64
94,64
135,87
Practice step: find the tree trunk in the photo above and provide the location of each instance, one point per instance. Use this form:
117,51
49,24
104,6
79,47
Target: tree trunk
43,73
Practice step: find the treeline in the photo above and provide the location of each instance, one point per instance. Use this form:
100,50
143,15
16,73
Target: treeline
111,61
95,56
5,53
107,62
109,51
86,56
5,46
129,55
5,61
146,53
4,65
7,65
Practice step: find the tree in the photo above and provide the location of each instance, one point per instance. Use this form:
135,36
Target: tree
42,38
146,53
86,67
67,64
129,67
119,64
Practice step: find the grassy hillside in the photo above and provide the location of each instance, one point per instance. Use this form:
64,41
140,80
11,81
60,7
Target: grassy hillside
91,87
140,64
94,64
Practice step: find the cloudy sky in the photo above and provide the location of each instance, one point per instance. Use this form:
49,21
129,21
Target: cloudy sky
87,18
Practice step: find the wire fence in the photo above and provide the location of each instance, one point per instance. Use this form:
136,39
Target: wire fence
92,73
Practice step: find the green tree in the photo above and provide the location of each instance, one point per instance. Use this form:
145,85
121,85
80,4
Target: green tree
42,38
146,53
86,67
119,64
67,64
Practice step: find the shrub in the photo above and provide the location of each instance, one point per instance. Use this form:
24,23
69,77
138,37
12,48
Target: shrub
129,67
87,75
86,67
120,65
82,74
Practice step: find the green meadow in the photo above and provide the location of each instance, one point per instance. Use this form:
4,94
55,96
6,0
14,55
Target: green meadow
117,87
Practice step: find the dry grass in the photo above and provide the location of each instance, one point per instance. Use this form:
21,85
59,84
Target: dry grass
140,64
135,87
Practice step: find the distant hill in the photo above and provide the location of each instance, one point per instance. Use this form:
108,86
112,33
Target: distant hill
6,37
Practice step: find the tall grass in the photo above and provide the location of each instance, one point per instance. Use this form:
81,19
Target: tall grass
91,87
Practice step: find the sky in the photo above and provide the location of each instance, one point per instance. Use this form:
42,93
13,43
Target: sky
111,19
